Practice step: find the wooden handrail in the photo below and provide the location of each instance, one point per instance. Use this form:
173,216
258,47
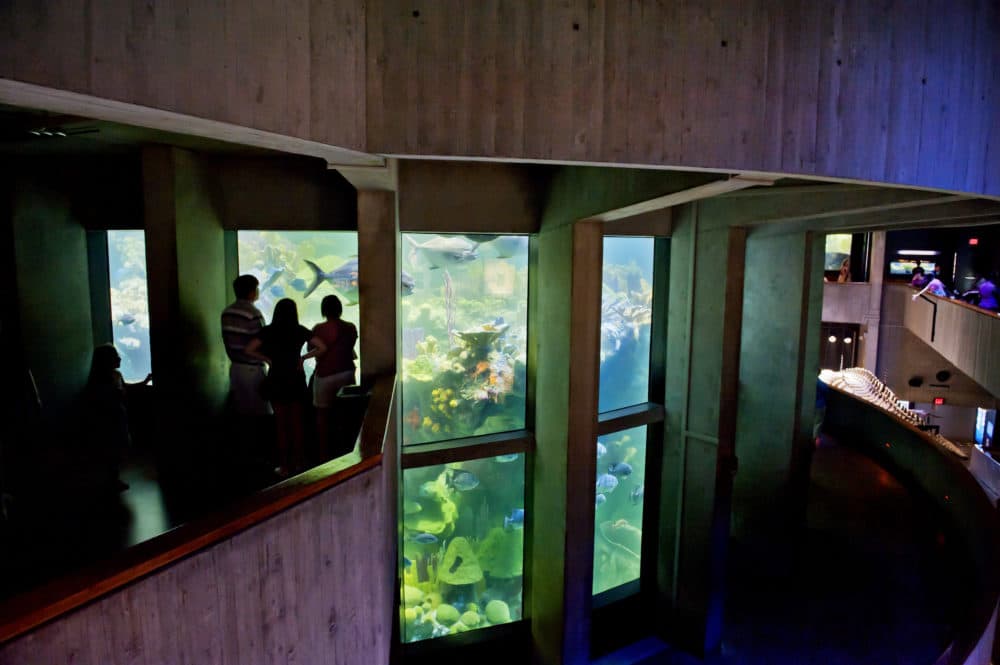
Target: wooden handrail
31,609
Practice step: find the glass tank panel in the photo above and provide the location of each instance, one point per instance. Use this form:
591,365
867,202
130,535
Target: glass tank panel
129,302
619,497
304,266
464,319
838,249
462,553
626,313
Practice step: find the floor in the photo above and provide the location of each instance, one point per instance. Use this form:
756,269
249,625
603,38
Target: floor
873,582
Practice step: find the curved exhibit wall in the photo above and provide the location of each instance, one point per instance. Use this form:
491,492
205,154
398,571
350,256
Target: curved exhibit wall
914,459
900,93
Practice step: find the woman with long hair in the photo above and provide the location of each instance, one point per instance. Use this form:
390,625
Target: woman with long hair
280,346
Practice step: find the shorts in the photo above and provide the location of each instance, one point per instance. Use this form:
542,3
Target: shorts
325,387
245,396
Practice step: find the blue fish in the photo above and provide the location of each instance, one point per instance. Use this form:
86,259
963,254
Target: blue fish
516,519
270,281
406,562
622,469
464,480
504,459
602,450
637,493
607,483
599,499
298,284
424,538
343,278
278,291
126,319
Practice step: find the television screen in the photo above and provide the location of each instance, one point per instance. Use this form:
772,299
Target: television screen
906,266
980,425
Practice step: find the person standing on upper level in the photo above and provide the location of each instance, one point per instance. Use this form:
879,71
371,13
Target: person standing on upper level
936,287
919,280
987,293
242,322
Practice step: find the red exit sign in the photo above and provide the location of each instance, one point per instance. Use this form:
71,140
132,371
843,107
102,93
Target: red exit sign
938,401
973,241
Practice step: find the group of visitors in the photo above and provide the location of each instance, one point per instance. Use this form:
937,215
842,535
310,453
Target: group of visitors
281,387
983,293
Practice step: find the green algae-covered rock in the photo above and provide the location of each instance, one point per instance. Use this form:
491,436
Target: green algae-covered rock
412,596
501,553
470,619
446,614
460,565
497,611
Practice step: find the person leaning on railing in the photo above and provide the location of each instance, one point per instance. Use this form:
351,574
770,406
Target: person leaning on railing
935,286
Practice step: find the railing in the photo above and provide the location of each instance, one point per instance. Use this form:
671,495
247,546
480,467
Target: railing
912,456
967,336
286,569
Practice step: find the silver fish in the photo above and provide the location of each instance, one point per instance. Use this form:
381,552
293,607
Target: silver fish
442,251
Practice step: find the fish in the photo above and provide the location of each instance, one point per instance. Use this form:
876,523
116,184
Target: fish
621,469
464,480
413,418
424,538
343,278
269,282
427,489
504,459
602,450
599,499
442,251
455,564
516,519
607,483
406,283
407,563
278,291
126,319
637,493
298,284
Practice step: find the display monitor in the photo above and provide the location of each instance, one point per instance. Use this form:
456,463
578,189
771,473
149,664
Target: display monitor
906,266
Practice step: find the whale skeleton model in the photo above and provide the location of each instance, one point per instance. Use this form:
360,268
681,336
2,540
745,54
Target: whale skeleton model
864,385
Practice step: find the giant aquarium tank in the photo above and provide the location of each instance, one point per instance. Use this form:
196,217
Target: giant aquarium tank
619,488
463,357
304,266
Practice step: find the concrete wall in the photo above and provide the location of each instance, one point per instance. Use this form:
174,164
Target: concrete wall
50,253
900,92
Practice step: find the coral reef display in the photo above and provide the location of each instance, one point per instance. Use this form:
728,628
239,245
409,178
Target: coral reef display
462,549
619,498
626,316
464,331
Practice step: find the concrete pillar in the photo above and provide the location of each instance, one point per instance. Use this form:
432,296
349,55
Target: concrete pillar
186,262
378,282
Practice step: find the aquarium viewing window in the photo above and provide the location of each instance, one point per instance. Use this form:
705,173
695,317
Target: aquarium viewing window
464,318
129,302
618,502
838,248
626,313
462,549
304,266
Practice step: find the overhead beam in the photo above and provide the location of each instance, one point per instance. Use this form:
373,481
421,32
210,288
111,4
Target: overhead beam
17,93
384,178
944,211
705,191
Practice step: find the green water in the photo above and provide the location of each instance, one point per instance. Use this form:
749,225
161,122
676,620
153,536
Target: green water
280,261
621,475
464,335
462,549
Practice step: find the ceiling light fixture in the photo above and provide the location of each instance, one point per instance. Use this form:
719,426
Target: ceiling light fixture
918,252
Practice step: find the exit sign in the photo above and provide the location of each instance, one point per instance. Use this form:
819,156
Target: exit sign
973,241
938,401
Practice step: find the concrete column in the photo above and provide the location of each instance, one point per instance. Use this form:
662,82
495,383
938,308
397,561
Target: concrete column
783,302
869,355
706,292
186,261
378,282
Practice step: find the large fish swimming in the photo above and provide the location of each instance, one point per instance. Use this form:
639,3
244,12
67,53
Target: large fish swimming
443,251
345,280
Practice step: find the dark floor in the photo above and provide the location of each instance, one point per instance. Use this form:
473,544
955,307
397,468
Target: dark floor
61,514
874,581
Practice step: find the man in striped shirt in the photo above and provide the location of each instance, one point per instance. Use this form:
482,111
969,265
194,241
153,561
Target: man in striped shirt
241,322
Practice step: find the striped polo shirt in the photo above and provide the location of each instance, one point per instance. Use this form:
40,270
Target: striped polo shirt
241,322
